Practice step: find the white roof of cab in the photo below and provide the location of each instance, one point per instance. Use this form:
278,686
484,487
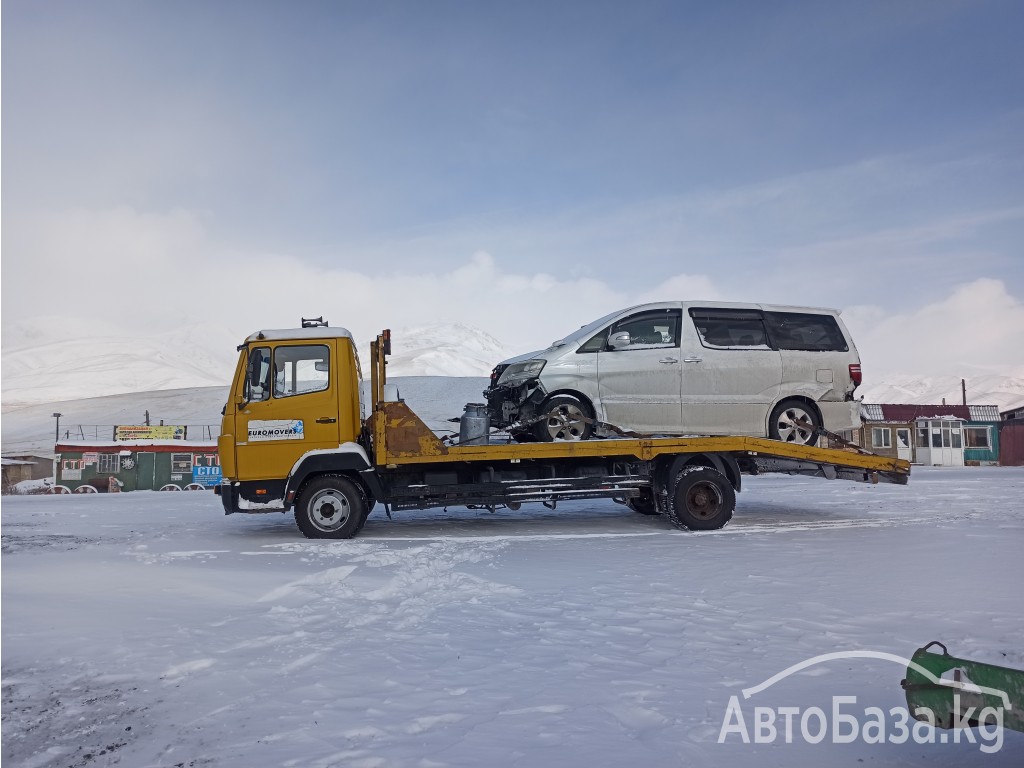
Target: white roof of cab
287,334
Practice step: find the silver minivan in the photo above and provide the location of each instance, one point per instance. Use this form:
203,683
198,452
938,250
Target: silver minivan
686,368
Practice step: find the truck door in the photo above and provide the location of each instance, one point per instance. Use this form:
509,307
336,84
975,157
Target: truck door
639,383
289,407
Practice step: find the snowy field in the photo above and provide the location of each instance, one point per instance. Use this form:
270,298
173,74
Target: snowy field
149,629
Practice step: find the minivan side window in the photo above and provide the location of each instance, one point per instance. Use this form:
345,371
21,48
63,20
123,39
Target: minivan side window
805,331
659,328
730,328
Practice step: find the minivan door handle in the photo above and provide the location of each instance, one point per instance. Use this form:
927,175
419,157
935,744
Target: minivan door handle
693,359
325,420
668,360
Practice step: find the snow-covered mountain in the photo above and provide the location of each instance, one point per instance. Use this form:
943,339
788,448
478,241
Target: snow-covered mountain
452,349
55,359
984,389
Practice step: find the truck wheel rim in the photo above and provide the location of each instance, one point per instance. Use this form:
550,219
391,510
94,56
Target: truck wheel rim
704,500
788,425
566,422
328,510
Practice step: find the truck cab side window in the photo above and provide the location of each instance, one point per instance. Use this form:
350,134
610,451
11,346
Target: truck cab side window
300,370
257,375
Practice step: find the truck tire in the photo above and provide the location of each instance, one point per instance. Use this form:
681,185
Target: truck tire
330,507
783,423
643,504
563,417
702,500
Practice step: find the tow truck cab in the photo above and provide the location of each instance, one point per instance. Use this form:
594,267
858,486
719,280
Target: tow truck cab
294,396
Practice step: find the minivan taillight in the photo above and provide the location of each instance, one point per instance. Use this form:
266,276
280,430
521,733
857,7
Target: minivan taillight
855,375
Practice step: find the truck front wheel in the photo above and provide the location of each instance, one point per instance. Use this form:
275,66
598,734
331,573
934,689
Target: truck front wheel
703,499
330,507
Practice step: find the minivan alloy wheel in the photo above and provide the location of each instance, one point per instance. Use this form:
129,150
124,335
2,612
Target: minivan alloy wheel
563,418
793,422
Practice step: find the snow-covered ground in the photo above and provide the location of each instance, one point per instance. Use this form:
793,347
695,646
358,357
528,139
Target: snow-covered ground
149,629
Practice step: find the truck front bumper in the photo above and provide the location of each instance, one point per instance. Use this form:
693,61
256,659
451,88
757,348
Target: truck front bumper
251,496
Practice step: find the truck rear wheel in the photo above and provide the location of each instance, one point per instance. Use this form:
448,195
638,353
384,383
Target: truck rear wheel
703,499
330,507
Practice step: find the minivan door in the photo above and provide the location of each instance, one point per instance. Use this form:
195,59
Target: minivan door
639,378
731,375
290,407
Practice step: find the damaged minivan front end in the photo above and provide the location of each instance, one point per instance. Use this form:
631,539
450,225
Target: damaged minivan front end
515,391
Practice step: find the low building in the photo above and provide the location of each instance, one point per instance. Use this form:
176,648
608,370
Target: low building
938,435
136,465
14,471
1011,437
1013,414
18,469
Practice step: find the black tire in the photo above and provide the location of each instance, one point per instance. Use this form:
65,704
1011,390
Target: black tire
564,417
643,504
788,419
330,507
703,499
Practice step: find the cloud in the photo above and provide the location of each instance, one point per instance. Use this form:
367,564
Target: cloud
149,274
978,328
146,273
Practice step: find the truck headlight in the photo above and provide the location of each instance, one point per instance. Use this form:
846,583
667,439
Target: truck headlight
518,373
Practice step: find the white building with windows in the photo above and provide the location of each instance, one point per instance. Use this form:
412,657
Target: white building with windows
933,435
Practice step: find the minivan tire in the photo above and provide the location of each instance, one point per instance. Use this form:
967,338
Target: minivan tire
563,417
783,423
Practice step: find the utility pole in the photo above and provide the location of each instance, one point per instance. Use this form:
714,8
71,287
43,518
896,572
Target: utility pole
147,418
56,434
963,389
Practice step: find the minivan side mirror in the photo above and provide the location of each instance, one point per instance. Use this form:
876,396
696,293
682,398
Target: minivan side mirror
619,340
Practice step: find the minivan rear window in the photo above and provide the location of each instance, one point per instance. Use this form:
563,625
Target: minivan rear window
805,331
730,328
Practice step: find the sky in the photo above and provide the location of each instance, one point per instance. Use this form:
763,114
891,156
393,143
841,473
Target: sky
522,168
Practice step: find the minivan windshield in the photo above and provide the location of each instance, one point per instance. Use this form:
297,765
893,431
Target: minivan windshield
587,330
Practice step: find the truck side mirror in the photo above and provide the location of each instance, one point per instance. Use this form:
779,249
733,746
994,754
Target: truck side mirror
619,340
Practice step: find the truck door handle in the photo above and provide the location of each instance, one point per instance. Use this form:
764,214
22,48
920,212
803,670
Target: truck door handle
325,420
693,359
668,360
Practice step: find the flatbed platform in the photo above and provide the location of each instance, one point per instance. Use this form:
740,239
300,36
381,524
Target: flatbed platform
401,438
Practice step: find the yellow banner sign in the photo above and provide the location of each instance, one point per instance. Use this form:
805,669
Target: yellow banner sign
142,432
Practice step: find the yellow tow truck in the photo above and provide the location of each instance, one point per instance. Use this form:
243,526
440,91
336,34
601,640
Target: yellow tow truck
294,436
